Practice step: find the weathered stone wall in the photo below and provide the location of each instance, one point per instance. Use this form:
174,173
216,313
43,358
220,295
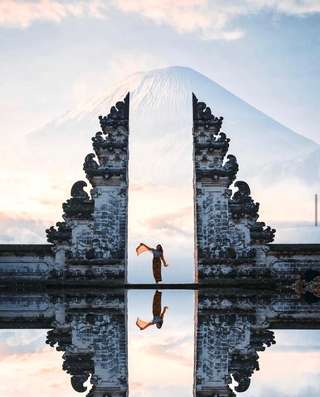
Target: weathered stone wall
96,345
26,310
110,222
217,337
94,232
292,262
232,326
229,242
212,209
22,262
90,330
82,235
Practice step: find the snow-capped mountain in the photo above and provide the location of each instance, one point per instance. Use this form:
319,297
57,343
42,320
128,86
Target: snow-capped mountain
305,168
161,120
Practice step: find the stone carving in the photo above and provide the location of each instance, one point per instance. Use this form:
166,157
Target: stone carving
111,145
229,334
97,139
90,163
244,362
79,206
210,147
78,192
227,234
231,167
308,285
93,336
241,204
59,234
118,116
203,116
261,234
95,227
59,337
80,366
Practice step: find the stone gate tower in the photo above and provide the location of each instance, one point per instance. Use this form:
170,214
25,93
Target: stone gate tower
231,245
227,232
92,240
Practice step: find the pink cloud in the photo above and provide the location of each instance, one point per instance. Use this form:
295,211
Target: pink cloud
15,13
187,16
212,19
22,229
39,372
171,223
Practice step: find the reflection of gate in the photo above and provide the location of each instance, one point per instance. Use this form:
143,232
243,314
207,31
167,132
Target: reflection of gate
90,330
231,330
24,269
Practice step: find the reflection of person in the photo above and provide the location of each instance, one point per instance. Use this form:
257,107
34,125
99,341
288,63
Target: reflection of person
157,314
157,259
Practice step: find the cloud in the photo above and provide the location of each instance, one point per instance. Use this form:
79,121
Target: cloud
17,13
171,223
212,19
173,350
297,348
27,374
209,19
288,7
21,343
21,229
295,224
310,391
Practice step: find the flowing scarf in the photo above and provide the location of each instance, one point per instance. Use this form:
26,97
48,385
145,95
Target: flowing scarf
140,249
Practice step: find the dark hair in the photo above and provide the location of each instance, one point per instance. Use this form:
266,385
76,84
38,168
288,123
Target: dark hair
159,324
159,248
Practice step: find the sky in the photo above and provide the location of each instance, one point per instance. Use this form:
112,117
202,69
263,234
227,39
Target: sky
57,53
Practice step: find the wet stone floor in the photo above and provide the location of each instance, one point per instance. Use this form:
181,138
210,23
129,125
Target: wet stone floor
166,343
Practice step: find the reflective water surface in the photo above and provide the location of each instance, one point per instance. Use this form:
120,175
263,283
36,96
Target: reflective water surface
159,343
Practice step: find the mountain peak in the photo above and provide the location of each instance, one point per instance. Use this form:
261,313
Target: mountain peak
161,105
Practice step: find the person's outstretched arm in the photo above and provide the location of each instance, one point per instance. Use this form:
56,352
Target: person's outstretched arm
147,247
163,260
163,312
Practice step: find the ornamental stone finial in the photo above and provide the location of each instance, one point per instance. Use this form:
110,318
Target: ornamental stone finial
118,116
210,147
203,117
